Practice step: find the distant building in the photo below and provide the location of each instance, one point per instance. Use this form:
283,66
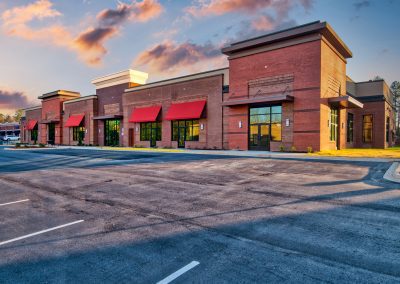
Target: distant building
11,128
286,89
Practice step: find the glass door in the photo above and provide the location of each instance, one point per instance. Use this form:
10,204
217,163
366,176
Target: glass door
51,133
259,137
112,132
181,137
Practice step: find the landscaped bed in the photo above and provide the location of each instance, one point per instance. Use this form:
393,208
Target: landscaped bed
393,152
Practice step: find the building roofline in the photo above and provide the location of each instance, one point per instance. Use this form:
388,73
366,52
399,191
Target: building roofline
370,81
81,99
210,73
283,35
59,93
32,108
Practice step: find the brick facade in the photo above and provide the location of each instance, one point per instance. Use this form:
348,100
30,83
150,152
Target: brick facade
302,69
87,107
209,89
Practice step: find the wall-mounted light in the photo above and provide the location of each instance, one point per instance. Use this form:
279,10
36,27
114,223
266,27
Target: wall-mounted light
287,122
86,131
240,124
137,129
202,126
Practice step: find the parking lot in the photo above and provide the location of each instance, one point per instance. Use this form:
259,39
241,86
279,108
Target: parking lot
96,216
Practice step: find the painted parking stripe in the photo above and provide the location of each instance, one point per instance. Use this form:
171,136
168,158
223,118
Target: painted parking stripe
18,201
40,232
178,273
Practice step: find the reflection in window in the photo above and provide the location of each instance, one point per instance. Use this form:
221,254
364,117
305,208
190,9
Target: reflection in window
334,124
78,133
367,128
150,131
187,130
271,116
350,127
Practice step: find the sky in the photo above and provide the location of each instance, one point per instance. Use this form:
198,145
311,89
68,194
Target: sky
47,45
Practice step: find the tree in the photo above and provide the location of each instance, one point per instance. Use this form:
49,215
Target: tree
1,118
377,77
18,115
395,87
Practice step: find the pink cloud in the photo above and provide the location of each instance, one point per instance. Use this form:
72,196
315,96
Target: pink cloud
170,57
220,7
89,44
263,23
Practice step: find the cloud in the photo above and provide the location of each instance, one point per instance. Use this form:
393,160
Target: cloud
12,100
362,4
172,57
263,23
15,23
89,44
221,7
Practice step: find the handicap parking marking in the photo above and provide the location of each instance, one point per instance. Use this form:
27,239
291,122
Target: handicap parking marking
40,232
14,202
178,273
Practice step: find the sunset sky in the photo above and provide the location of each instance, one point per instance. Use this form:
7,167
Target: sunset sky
47,45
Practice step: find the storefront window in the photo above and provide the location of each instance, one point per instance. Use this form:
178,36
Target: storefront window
350,129
112,132
150,131
387,129
334,124
367,128
78,133
34,134
187,130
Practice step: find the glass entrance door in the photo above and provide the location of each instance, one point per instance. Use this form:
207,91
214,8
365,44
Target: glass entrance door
259,137
51,133
181,137
112,132
265,125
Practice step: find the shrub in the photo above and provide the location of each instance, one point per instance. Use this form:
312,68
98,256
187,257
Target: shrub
293,149
282,148
310,149
17,145
41,145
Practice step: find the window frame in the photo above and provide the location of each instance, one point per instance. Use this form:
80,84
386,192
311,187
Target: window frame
333,125
387,129
193,125
269,114
147,129
371,123
350,127
78,133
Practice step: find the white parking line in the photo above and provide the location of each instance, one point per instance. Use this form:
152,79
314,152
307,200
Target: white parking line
178,273
18,201
40,232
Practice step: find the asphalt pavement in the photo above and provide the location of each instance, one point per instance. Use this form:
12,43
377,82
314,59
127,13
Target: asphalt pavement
73,216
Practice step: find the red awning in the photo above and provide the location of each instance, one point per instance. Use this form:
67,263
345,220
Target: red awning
31,124
145,114
189,110
74,120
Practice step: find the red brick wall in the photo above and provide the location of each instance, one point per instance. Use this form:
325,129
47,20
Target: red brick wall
380,111
303,61
209,89
31,115
108,96
89,109
333,84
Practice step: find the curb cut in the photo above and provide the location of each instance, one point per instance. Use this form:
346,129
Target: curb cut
392,174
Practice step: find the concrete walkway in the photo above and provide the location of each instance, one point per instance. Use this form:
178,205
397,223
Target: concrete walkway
237,153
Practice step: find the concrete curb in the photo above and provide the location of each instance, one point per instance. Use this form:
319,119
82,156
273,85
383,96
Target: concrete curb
392,174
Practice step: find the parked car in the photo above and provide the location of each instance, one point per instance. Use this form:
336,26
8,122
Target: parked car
9,138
